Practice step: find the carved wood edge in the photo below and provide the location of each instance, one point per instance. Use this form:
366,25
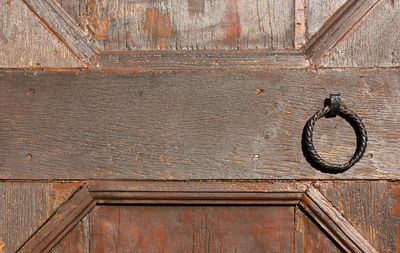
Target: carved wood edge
136,61
304,195
65,29
332,32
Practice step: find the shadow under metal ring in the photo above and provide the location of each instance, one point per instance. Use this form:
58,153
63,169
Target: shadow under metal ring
332,110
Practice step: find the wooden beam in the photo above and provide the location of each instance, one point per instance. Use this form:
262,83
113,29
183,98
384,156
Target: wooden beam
58,21
346,18
192,125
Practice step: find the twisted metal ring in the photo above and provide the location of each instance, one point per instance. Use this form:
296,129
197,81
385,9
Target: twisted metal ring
312,155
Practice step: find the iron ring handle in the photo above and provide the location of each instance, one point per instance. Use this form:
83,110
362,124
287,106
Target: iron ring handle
332,110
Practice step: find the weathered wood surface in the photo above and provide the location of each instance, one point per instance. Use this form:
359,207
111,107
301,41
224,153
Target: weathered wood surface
191,228
76,241
309,237
372,207
374,43
162,194
55,19
186,25
63,220
318,13
334,223
135,61
345,19
25,42
25,206
71,33
191,125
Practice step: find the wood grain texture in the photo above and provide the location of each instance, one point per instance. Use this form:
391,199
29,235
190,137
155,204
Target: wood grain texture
190,125
25,42
63,220
186,25
109,229
348,17
374,43
25,206
372,207
55,18
76,241
135,61
318,14
191,229
334,223
299,24
199,186
309,237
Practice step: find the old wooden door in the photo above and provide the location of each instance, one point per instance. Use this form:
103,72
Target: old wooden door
176,126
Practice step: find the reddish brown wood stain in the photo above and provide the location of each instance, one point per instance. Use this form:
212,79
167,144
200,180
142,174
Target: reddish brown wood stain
96,24
191,229
231,24
395,192
196,7
158,27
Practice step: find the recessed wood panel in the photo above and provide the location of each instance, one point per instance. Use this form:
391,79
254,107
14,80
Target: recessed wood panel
187,25
191,229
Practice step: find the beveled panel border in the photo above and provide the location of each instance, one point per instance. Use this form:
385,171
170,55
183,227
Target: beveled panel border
302,194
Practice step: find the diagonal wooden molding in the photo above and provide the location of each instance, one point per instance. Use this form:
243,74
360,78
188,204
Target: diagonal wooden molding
58,21
309,199
346,18
333,222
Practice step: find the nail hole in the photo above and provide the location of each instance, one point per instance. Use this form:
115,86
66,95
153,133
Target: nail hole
31,92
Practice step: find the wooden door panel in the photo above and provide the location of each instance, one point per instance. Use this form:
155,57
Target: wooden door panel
153,216
191,229
196,229
165,92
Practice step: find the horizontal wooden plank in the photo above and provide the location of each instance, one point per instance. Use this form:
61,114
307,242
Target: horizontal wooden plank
191,125
198,60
